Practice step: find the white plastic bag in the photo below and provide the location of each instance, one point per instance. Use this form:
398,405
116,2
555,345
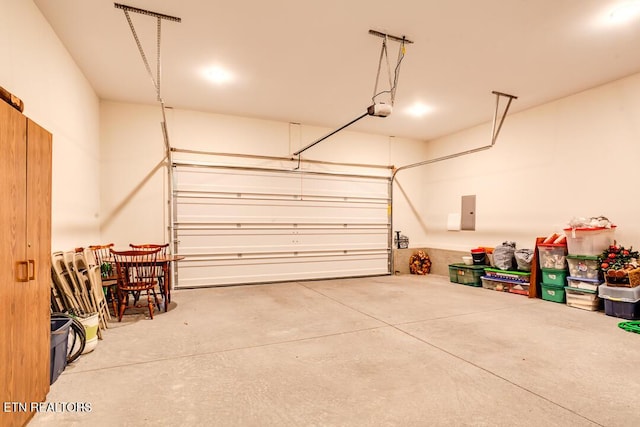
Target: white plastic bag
503,255
523,259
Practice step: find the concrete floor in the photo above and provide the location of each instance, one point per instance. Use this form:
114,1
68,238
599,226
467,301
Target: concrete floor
382,351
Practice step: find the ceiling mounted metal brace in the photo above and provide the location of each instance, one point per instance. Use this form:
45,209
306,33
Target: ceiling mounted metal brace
157,78
159,16
146,12
494,136
393,83
496,130
377,109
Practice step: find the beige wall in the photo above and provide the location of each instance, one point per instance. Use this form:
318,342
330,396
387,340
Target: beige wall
37,68
577,156
572,157
134,176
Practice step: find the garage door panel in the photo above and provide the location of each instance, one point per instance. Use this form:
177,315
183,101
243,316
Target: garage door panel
239,226
248,240
218,272
278,182
270,211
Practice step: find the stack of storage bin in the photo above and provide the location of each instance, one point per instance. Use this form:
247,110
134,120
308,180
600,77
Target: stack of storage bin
620,301
552,258
584,245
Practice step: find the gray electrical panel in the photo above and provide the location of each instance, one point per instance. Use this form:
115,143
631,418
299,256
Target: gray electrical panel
468,213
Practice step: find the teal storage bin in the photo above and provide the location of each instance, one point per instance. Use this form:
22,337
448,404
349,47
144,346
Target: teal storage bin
554,293
552,276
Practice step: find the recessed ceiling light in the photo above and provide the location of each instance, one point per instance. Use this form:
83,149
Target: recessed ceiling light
218,75
418,109
624,12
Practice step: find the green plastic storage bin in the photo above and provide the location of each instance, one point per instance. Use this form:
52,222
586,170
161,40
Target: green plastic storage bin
466,274
584,266
551,276
551,292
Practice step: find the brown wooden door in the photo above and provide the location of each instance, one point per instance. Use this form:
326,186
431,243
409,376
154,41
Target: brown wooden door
13,209
39,258
24,286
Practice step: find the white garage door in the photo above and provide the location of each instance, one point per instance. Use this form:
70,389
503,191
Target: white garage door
240,225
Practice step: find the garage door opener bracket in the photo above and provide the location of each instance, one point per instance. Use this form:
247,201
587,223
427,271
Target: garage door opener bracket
377,108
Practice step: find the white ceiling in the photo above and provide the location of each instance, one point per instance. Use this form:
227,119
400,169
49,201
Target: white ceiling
313,62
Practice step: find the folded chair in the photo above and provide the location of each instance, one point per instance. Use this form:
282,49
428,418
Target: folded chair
79,289
64,284
99,255
90,276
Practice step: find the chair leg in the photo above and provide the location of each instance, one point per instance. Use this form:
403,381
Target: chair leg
161,287
114,301
150,304
155,297
123,298
123,305
112,295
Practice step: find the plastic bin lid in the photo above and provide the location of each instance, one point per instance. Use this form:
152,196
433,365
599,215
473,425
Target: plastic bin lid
554,270
519,273
504,280
580,290
473,266
583,257
590,228
60,324
584,279
552,286
553,245
621,294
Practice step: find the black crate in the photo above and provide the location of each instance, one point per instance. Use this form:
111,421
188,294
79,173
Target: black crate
624,310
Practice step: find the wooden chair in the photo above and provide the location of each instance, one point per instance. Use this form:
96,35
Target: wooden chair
136,275
99,255
159,273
